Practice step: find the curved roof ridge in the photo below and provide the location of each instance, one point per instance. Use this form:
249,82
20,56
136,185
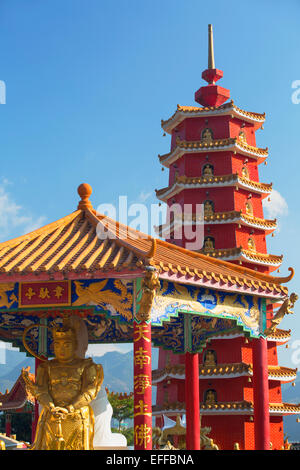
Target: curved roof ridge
161,244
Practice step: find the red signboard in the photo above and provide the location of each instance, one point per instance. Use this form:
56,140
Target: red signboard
47,293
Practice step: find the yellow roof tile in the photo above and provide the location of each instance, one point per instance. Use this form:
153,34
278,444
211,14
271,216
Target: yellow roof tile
71,244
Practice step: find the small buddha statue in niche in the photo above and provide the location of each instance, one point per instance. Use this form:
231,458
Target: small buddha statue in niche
208,245
208,208
207,135
210,397
209,358
251,244
245,172
207,170
249,208
242,137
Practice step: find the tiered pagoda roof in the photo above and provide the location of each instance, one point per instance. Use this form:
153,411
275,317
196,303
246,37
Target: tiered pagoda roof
230,109
228,408
230,144
222,371
241,254
231,236
202,182
228,217
280,336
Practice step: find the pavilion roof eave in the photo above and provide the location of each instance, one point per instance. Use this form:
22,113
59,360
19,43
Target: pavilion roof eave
71,249
70,275
212,284
166,250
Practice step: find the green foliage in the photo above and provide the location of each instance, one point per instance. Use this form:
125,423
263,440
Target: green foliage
122,408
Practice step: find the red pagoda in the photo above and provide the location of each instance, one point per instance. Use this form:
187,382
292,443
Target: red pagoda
214,161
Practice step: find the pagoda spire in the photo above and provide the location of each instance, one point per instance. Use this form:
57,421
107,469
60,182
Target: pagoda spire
211,55
211,95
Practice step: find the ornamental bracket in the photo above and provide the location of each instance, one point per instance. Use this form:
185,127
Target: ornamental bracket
285,309
150,284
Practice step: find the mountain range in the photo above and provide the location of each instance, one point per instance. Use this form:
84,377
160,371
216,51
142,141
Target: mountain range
117,367
118,377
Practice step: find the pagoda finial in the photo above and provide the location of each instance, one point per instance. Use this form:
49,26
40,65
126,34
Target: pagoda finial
211,55
211,95
84,191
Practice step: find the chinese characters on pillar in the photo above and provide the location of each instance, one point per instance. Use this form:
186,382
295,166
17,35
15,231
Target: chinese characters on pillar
142,387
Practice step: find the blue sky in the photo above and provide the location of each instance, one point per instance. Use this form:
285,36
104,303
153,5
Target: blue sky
88,82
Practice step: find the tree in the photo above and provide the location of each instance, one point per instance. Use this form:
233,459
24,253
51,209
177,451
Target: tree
122,406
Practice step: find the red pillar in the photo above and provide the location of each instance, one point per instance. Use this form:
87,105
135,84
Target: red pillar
192,401
261,394
142,386
8,424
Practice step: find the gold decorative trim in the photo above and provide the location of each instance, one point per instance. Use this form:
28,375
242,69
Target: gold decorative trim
223,369
236,253
225,217
229,143
208,181
183,112
282,408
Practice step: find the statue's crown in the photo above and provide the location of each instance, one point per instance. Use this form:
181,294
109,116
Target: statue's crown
64,333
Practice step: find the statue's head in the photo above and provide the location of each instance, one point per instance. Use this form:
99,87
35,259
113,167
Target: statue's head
65,343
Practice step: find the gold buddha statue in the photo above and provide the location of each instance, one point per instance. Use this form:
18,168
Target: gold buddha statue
209,359
210,397
208,245
207,135
245,172
65,386
208,208
249,208
251,244
242,137
207,170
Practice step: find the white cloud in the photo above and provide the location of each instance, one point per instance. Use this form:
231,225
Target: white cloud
275,206
13,217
